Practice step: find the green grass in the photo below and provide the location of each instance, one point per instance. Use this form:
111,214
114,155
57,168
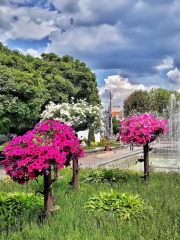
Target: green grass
3,145
73,221
88,148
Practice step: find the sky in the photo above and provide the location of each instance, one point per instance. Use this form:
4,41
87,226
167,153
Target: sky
128,44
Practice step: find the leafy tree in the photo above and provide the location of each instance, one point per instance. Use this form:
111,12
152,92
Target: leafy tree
91,137
21,98
28,84
157,102
160,99
139,100
115,125
76,72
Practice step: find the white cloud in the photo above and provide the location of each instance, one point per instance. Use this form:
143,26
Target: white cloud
120,87
32,23
167,63
94,40
174,76
32,52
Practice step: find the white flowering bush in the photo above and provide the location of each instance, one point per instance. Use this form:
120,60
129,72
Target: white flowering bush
72,114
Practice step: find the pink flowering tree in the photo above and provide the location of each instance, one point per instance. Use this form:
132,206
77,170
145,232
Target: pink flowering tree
139,129
31,155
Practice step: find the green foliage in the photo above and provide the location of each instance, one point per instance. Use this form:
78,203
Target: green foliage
28,84
21,98
91,137
104,175
19,203
113,176
103,141
138,100
3,145
72,220
123,205
160,99
115,123
94,144
156,101
85,140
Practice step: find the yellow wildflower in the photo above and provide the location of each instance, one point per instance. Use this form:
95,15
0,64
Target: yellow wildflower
114,178
126,216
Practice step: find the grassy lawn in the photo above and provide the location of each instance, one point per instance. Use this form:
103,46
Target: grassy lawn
73,221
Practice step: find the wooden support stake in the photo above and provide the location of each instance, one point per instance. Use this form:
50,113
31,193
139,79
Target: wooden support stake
56,172
48,202
146,162
75,174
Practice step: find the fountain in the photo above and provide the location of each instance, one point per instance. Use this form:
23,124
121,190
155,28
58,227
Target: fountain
166,153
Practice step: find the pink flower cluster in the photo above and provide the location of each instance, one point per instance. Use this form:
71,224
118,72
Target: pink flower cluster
32,154
139,128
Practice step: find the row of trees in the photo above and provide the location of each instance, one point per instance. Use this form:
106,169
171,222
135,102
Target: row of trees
28,84
156,101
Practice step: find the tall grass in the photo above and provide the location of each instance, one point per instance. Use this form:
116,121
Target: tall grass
73,221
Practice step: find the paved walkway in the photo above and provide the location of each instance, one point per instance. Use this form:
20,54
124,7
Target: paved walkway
94,160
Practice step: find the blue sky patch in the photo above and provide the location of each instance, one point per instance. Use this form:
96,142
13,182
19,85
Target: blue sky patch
26,44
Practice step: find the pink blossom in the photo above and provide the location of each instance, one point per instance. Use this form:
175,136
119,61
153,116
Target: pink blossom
139,128
30,155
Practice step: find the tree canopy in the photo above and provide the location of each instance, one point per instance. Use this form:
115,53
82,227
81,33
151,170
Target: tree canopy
156,101
27,84
138,100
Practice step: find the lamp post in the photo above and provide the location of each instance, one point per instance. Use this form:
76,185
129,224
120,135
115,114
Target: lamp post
111,129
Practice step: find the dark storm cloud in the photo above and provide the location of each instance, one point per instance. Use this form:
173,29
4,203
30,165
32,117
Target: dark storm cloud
129,35
31,3
67,6
3,2
151,27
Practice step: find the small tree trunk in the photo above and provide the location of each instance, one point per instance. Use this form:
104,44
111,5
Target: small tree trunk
146,162
56,172
48,203
75,174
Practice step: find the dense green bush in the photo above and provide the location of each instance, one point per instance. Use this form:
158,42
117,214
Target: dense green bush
19,203
123,205
113,176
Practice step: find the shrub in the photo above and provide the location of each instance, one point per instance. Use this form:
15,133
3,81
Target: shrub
85,140
104,175
110,175
103,141
123,205
18,203
94,144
